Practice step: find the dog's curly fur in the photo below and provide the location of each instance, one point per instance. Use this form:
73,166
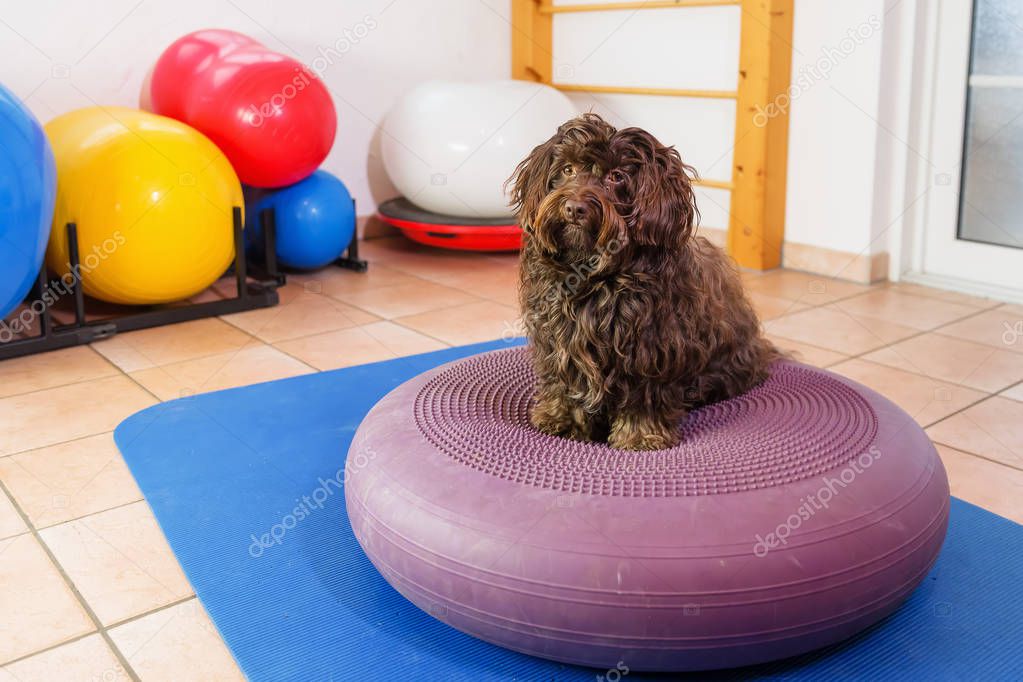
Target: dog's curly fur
632,320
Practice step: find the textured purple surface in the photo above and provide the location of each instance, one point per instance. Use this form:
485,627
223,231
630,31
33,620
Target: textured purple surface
798,424
661,560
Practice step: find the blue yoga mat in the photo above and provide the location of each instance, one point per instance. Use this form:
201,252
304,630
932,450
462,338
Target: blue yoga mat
245,484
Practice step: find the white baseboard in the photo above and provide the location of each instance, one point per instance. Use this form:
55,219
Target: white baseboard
965,286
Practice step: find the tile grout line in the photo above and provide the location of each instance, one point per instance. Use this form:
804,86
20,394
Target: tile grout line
100,628
861,354
253,342
70,383
51,445
51,647
158,609
93,513
477,301
1001,394
969,453
312,370
959,411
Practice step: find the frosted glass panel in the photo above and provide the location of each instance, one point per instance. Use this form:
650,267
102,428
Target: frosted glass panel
991,204
992,199
997,37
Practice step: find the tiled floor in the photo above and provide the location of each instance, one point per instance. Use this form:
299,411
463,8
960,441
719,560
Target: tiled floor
90,590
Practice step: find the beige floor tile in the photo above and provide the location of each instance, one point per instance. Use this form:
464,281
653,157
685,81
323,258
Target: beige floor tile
39,610
804,288
339,283
748,275
408,299
770,307
11,522
1016,393
984,368
382,248
918,312
925,399
1012,308
838,331
63,482
175,644
302,315
994,487
942,294
119,561
35,420
804,352
467,268
498,283
85,660
49,370
437,265
251,365
359,345
1001,328
992,429
467,323
173,343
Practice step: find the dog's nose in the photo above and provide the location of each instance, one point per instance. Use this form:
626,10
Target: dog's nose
575,211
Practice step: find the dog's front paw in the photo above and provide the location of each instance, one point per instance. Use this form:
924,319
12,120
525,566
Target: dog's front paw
552,425
638,433
556,420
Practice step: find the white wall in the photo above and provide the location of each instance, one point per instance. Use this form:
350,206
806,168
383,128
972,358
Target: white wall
834,132
62,55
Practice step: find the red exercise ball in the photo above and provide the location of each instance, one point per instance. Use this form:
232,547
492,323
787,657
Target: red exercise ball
271,116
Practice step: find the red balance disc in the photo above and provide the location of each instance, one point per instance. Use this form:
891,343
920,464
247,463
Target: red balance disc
451,232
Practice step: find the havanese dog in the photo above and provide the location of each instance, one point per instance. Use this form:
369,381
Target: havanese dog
632,320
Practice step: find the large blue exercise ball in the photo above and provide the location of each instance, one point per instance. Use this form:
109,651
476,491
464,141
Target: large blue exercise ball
28,187
315,221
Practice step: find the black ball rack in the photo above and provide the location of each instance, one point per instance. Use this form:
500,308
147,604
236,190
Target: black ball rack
255,286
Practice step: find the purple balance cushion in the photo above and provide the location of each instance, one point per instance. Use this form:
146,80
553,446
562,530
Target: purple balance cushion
787,519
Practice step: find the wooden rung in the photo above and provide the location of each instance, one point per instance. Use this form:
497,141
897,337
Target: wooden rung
658,92
714,184
608,6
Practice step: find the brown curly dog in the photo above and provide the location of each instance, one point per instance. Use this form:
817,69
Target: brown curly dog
632,320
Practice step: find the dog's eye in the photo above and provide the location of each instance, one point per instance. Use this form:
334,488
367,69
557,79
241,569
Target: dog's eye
568,171
616,176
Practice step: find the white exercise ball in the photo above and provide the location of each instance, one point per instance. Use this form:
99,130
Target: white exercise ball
450,146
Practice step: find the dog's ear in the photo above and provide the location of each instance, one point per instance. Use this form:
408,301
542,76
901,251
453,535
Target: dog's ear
664,203
529,182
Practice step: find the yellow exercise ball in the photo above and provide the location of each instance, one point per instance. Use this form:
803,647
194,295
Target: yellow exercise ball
152,199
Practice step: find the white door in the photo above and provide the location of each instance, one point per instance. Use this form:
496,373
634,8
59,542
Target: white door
972,238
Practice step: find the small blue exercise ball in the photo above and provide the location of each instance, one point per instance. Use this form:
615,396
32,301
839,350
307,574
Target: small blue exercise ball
315,221
28,188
